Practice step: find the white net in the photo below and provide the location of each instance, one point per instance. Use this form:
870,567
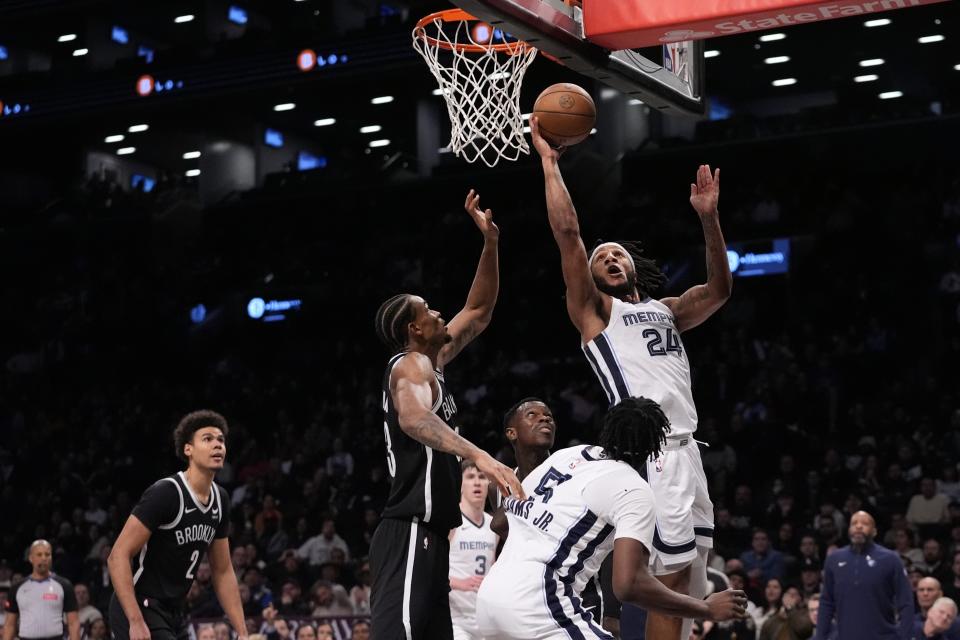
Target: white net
480,80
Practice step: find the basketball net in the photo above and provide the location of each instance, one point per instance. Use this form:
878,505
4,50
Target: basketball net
480,80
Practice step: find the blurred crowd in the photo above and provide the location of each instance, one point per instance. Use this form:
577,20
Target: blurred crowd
828,390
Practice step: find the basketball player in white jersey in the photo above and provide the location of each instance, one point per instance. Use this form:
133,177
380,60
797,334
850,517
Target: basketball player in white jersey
473,547
633,345
584,502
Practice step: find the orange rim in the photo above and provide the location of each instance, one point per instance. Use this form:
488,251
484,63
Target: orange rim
459,15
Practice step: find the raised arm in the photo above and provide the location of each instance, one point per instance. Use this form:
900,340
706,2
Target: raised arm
633,583
698,303
588,308
131,539
478,310
411,385
10,626
225,584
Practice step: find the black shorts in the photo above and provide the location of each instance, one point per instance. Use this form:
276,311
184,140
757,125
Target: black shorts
164,622
410,596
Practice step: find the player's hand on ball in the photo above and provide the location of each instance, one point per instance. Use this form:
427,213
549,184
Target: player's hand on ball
501,474
546,151
705,194
727,605
139,631
483,219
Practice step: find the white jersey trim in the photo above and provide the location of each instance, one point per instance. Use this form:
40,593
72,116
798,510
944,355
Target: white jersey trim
143,555
203,508
176,520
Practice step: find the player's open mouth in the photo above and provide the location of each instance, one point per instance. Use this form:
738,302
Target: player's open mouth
614,271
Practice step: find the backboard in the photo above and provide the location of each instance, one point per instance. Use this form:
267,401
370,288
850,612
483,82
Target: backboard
556,29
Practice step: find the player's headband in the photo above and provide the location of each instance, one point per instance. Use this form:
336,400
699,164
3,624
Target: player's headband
617,245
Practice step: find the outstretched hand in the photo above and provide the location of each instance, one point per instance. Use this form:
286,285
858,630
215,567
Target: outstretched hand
501,475
727,605
705,194
483,219
544,148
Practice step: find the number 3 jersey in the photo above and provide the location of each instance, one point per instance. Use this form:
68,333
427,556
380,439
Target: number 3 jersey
578,502
473,548
182,529
640,354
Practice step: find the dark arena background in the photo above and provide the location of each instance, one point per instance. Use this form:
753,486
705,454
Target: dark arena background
189,219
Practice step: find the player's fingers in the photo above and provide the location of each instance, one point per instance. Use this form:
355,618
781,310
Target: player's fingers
466,203
716,177
693,190
489,213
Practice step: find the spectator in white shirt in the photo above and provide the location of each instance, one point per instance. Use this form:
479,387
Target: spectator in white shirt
316,550
928,506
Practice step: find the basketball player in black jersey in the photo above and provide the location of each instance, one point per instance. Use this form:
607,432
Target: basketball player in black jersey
178,520
409,553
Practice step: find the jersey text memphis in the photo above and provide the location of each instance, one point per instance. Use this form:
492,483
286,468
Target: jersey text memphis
578,503
640,354
473,549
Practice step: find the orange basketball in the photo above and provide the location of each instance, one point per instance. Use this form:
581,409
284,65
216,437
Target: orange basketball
566,114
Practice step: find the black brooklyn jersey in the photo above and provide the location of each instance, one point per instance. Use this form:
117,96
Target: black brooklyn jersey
182,529
425,482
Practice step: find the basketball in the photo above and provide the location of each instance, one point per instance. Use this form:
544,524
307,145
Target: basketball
566,114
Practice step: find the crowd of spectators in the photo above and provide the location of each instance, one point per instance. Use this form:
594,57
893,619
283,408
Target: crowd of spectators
820,393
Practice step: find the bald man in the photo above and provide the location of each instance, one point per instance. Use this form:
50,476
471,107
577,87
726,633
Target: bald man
928,592
37,604
866,594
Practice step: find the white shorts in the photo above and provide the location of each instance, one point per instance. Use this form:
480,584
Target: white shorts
463,633
514,604
684,509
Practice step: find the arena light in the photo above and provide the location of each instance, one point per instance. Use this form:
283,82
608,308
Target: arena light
871,62
138,128
382,100
440,92
119,35
784,82
956,67
772,37
125,151
930,39
379,143
777,59
114,138
870,77
324,122
284,106
184,19
879,22
711,53
192,173
635,101
890,95
4,54
80,52
371,128
191,155
67,37
307,60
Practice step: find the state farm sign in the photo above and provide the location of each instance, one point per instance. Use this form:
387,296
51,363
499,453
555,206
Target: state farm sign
628,24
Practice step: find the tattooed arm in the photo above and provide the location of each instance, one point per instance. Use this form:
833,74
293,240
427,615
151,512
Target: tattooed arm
412,387
698,303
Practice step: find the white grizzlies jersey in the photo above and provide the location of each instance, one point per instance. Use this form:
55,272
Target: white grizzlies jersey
577,504
473,549
640,354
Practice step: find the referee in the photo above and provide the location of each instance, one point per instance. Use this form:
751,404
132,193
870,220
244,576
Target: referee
39,601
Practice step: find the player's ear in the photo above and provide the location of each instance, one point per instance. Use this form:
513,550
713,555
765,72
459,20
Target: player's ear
413,329
511,434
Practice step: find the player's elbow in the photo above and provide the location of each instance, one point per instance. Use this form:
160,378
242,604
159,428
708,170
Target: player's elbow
625,588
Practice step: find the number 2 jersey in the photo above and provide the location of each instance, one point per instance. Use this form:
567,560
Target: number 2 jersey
640,354
182,529
578,502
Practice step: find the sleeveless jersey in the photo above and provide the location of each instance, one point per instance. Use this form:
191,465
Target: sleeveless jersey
425,484
578,503
473,550
640,354
182,529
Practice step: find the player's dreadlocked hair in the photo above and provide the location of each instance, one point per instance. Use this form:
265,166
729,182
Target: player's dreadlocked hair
392,319
633,430
512,411
648,278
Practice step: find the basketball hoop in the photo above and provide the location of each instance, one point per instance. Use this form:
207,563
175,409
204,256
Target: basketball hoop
480,72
